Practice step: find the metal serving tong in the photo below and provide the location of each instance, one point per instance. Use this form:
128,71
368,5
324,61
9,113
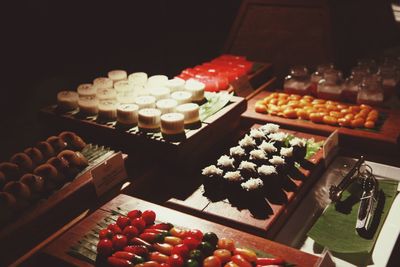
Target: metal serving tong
369,197
369,201
336,191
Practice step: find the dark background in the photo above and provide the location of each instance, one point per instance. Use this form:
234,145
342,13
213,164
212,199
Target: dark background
48,46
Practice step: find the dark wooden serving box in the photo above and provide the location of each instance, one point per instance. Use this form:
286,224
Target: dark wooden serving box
385,140
55,254
46,217
280,206
154,148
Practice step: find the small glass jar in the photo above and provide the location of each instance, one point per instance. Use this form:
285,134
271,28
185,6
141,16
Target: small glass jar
371,91
368,63
352,84
317,76
390,79
298,81
331,86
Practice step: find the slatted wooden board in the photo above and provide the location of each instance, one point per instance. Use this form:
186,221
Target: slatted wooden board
56,252
263,219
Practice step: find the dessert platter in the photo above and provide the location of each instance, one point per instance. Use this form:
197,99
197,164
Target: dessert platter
128,231
38,184
258,182
170,115
364,123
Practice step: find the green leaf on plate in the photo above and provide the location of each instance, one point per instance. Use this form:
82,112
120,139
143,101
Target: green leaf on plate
215,102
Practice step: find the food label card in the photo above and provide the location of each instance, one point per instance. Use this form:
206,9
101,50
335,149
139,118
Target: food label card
109,173
330,147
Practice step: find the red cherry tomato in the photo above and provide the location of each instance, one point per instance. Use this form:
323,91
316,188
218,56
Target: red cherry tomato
195,234
269,261
162,226
118,262
119,241
191,243
105,247
114,228
175,261
241,261
149,216
124,255
130,231
151,237
137,249
139,223
181,250
212,261
123,222
105,233
134,214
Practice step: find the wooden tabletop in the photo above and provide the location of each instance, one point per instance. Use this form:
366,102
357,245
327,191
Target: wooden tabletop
59,247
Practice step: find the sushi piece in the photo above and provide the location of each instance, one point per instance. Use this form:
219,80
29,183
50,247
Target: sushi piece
269,175
149,120
238,154
10,170
299,148
257,135
67,100
258,156
278,139
226,163
212,178
35,155
21,193
23,161
247,143
8,207
248,169
287,153
269,148
232,181
253,189
280,165
269,128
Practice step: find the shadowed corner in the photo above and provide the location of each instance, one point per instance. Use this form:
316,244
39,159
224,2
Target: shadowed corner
275,195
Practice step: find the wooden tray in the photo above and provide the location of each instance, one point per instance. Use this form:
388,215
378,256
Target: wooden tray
56,252
47,216
278,207
151,147
385,140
